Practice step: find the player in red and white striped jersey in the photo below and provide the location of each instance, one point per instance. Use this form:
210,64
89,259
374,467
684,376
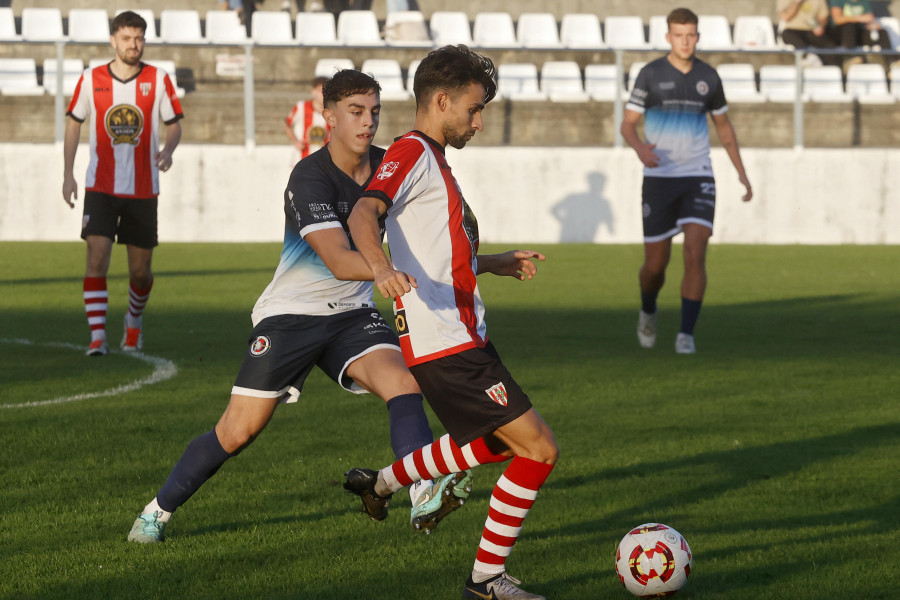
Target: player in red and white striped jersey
305,126
433,240
126,100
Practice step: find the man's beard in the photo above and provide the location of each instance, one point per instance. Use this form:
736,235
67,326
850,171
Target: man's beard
455,139
130,60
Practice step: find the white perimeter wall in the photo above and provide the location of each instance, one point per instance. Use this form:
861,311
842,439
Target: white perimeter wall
546,195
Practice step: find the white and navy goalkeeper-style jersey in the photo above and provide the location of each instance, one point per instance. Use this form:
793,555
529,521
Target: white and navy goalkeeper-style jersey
433,236
674,105
318,196
125,128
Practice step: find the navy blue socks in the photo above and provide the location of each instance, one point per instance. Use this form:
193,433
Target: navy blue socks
648,302
690,312
200,461
409,425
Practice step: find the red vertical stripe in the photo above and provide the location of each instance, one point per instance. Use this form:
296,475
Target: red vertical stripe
308,113
144,163
102,84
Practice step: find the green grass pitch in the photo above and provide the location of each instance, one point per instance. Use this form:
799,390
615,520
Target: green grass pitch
775,450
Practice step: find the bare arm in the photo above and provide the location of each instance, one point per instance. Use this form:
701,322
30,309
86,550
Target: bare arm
173,137
297,142
364,230
70,146
333,247
791,11
629,132
726,134
839,18
515,263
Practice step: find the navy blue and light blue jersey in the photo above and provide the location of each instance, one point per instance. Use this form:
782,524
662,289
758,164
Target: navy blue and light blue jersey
318,196
674,105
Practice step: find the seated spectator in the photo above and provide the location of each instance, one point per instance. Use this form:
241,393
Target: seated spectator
855,25
805,22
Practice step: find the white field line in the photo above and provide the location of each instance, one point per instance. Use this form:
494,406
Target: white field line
164,369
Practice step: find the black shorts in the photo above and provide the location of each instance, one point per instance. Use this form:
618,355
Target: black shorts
471,393
284,349
129,221
670,202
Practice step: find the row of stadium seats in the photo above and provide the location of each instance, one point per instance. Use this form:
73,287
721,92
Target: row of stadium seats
18,76
405,28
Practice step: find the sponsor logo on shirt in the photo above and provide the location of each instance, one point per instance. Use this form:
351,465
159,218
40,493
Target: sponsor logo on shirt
702,88
260,345
145,88
124,124
498,394
667,85
400,323
386,170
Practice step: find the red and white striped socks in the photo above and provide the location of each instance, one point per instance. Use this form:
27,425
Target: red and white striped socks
96,301
512,498
137,300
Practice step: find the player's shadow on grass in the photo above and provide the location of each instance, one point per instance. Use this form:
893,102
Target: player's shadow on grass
581,215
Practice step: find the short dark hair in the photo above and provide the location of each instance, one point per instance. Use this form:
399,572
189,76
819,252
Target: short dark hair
346,83
127,19
682,16
451,69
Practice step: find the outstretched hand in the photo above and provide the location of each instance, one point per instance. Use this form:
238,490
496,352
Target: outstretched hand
393,283
515,263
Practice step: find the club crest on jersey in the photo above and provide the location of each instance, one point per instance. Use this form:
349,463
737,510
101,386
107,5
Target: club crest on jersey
260,345
145,88
498,394
387,169
702,88
317,135
124,124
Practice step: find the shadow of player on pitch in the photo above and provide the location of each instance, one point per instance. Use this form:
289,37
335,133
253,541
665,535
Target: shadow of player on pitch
582,214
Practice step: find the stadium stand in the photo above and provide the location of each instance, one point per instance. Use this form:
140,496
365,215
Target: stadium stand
778,83
754,32
739,83
150,16
224,27
8,26
633,71
42,24
72,69
325,67
272,27
624,32
450,27
895,80
388,74
358,28
411,75
892,26
494,30
18,77
406,28
180,26
715,33
519,81
561,81
657,30
88,25
316,29
600,82
824,84
537,30
581,31
868,84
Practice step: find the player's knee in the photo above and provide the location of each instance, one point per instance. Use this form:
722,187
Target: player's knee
235,438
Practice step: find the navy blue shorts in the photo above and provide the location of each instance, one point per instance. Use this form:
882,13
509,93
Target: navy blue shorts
131,221
283,350
471,392
670,202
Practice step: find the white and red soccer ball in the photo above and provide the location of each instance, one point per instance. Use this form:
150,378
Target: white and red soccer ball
653,560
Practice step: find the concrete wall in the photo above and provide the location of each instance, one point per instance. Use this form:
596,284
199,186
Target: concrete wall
535,195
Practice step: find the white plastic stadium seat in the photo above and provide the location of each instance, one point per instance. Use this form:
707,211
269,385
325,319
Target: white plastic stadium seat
739,82
561,81
892,26
358,28
326,67
411,75
169,67
180,26
778,83
537,30
581,30
754,32
148,15
715,33
494,30
895,80
600,82
272,27
406,28
519,81
868,84
42,25
316,29
225,27
387,73
72,69
824,84
659,27
89,25
8,26
450,27
624,32
18,77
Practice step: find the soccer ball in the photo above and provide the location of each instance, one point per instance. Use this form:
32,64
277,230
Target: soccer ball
653,560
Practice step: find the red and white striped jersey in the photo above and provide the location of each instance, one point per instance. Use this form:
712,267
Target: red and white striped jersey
433,236
308,124
124,128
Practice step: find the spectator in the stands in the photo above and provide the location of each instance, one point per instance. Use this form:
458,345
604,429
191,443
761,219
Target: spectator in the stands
855,25
805,24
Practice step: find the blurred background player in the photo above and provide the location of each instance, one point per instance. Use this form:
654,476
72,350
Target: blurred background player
673,94
305,126
433,239
317,311
126,100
